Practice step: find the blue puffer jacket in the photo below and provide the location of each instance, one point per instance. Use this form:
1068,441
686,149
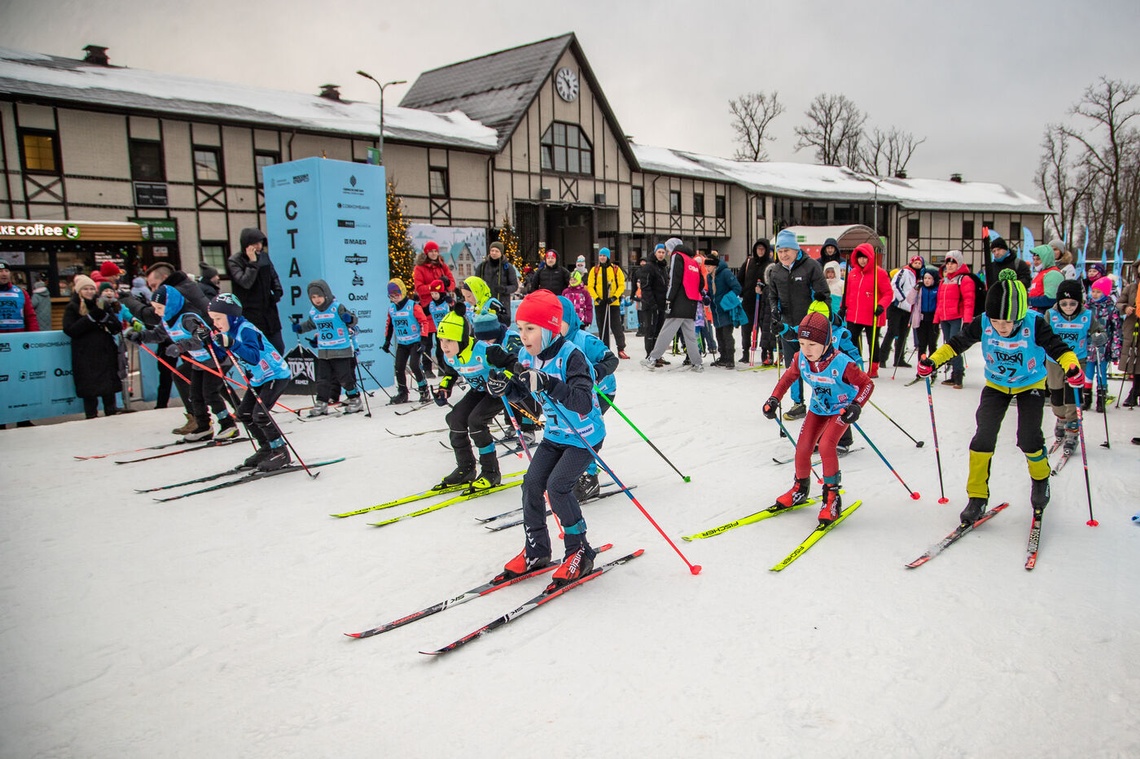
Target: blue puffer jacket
724,282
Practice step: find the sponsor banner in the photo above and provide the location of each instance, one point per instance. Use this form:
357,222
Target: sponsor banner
35,377
328,220
303,367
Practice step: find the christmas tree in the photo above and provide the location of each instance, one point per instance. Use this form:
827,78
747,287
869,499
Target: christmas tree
401,255
510,241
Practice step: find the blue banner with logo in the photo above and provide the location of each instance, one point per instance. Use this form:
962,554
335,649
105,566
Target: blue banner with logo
328,220
35,376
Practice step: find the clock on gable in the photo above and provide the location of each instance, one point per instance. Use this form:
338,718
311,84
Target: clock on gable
566,84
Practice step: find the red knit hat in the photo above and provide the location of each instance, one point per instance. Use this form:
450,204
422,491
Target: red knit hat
815,327
543,308
110,269
436,286
431,245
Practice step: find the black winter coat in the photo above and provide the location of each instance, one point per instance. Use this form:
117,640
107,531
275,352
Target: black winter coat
94,353
192,292
651,280
751,272
501,278
790,292
555,279
256,284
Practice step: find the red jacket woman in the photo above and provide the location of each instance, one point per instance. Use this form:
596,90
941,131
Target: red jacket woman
956,294
865,281
430,267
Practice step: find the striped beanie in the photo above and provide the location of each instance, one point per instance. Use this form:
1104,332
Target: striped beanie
1007,300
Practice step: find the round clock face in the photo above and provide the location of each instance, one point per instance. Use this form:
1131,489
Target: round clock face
566,84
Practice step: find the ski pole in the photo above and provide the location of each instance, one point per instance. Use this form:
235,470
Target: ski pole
755,331
268,414
1084,456
373,376
795,444
610,403
232,396
693,568
917,443
164,363
906,355
913,494
522,444
296,319
234,382
365,393
937,454
1102,374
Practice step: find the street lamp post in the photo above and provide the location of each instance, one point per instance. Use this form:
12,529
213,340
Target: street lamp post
380,143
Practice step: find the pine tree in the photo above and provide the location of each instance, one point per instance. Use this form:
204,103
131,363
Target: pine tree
510,241
401,254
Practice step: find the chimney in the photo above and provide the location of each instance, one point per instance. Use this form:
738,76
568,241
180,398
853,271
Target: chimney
330,92
956,178
96,55
900,174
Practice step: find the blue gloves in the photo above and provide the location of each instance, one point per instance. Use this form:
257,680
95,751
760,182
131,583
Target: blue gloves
297,327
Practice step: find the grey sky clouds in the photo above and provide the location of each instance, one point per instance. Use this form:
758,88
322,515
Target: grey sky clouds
979,79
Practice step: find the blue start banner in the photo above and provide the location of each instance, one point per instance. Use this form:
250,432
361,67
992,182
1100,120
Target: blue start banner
329,220
35,376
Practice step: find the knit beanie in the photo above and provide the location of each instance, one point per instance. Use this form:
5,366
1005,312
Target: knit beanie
1104,285
226,303
436,286
110,269
454,327
81,280
815,327
998,242
955,256
104,285
1100,268
498,245
575,278
581,260
431,245
208,272
787,239
396,287
603,253
1007,300
541,307
1072,289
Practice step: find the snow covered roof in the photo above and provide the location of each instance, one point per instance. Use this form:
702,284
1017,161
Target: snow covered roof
34,75
802,180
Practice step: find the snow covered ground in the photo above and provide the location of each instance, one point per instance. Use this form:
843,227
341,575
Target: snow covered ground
213,626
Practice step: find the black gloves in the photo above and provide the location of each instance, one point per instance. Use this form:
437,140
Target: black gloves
534,380
387,347
497,383
500,357
202,332
443,392
878,310
822,297
772,407
850,415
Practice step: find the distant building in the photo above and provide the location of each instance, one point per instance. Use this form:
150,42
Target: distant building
525,134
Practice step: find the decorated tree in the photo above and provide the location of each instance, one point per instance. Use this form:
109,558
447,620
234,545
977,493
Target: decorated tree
510,241
401,254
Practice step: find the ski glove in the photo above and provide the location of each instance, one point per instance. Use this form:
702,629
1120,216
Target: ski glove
497,384
772,407
174,350
850,415
534,381
442,393
1099,340
134,337
500,357
386,347
297,327
223,339
926,367
202,332
878,310
1075,376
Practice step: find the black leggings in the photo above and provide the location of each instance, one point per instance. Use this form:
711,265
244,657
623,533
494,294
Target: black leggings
898,327
91,406
206,390
256,416
554,470
469,422
409,355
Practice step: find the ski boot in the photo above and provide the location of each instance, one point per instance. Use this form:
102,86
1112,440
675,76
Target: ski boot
520,565
1086,397
798,411
425,394
320,408
203,431
353,404
586,487
1072,433
278,458
1101,399
1039,495
462,475
227,428
797,495
832,504
489,474
975,507
1058,435
578,563
401,396
258,456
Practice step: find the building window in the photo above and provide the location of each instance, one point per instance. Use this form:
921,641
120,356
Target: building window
638,202
437,183
1015,230
719,207
146,161
674,201
761,210
207,166
988,224
39,151
261,159
842,214
565,149
214,254
967,229
815,214
698,204
912,229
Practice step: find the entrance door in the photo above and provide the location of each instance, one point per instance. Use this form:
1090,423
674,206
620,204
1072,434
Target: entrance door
570,231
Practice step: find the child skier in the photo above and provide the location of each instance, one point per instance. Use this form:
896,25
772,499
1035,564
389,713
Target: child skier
604,363
437,307
181,321
336,360
556,370
1079,328
924,302
579,298
1015,344
266,371
1104,309
408,323
839,390
466,357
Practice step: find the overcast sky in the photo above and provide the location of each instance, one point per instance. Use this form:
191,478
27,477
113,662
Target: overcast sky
979,79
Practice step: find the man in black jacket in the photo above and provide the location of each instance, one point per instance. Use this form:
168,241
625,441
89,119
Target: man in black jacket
652,279
794,281
501,277
1003,259
257,286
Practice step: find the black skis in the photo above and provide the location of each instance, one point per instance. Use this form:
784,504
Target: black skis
250,477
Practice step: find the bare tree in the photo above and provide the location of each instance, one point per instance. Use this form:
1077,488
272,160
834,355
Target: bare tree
885,154
834,130
1062,180
752,112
